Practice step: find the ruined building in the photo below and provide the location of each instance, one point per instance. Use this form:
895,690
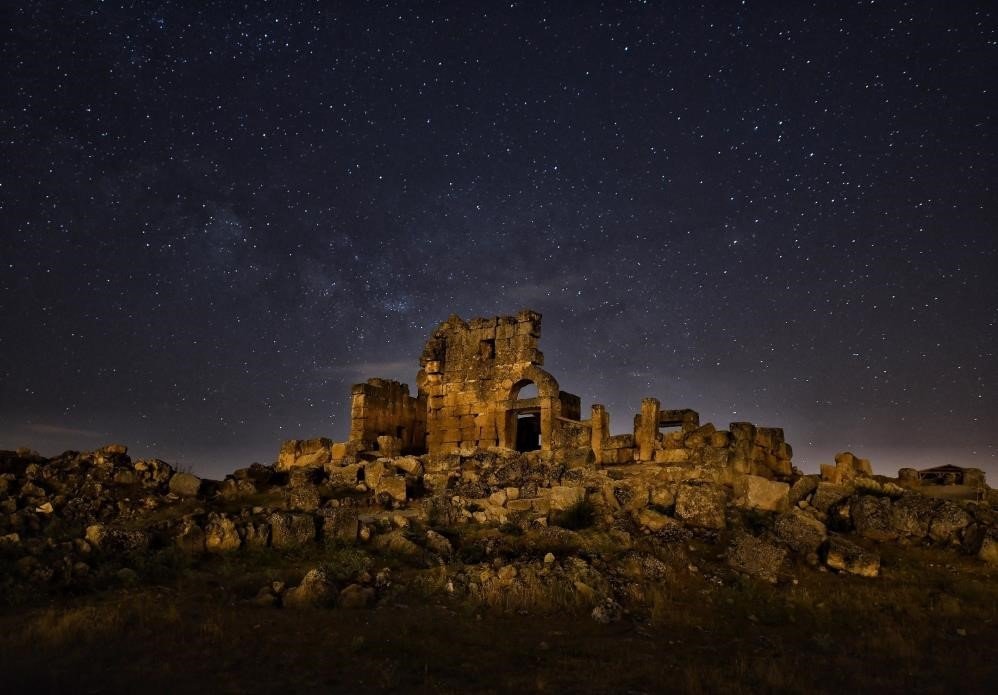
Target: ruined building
482,385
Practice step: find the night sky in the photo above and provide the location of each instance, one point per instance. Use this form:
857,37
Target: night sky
216,217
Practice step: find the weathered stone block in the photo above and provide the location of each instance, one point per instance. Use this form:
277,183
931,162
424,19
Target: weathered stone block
656,521
291,530
701,505
672,456
391,486
185,484
845,556
754,492
826,495
803,533
220,535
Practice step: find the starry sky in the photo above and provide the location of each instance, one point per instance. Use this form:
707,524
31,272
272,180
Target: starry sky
218,216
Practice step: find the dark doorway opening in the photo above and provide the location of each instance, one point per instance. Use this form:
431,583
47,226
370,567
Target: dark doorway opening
528,431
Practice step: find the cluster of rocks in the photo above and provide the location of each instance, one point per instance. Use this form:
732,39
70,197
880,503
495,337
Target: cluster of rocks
63,516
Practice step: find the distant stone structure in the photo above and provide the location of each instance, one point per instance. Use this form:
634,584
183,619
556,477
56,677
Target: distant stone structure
948,474
472,395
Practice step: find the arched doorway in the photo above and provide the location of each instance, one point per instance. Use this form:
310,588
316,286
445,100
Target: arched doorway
524,416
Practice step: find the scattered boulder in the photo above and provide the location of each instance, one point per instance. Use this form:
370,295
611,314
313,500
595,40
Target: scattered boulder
409,465
304,497
989,547
756,492
701,505
236,488
846,556
305,453
947,522
220,534
315,589
655,521
911,514
827,494
288,530
871,517
185,484
805,486
564,497
391,488
801,532
190,537
108,539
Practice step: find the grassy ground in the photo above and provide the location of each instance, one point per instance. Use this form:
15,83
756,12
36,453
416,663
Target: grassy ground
930,624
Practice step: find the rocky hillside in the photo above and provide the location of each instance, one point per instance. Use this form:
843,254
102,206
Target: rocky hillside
485,522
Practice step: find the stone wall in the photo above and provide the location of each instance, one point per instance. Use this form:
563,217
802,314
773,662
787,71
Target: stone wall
472,374
382,408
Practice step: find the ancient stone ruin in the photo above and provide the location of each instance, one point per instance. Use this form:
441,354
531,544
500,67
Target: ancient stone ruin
474,460
472,394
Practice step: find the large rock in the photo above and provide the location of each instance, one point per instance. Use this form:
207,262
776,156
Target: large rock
656,521
804,486
989,547
233,489
291,530
339,524
871,517
344,476
185,484
315,589
826,495
564,497
109,539
701,505
391,488
948,521
755,557
911,514
303,498
756,492
304,453
803,533
409,465
190,537
373,472
220,534
845,556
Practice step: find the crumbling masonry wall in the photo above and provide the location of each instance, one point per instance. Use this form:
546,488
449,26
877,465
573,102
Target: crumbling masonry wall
383,408
471,396
472,375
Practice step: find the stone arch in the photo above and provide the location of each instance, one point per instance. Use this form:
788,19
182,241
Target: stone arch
547,385
543,409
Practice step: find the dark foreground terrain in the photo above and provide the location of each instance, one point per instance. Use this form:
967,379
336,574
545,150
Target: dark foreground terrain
500,572
929,623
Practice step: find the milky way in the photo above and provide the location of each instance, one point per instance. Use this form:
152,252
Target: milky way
217,217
